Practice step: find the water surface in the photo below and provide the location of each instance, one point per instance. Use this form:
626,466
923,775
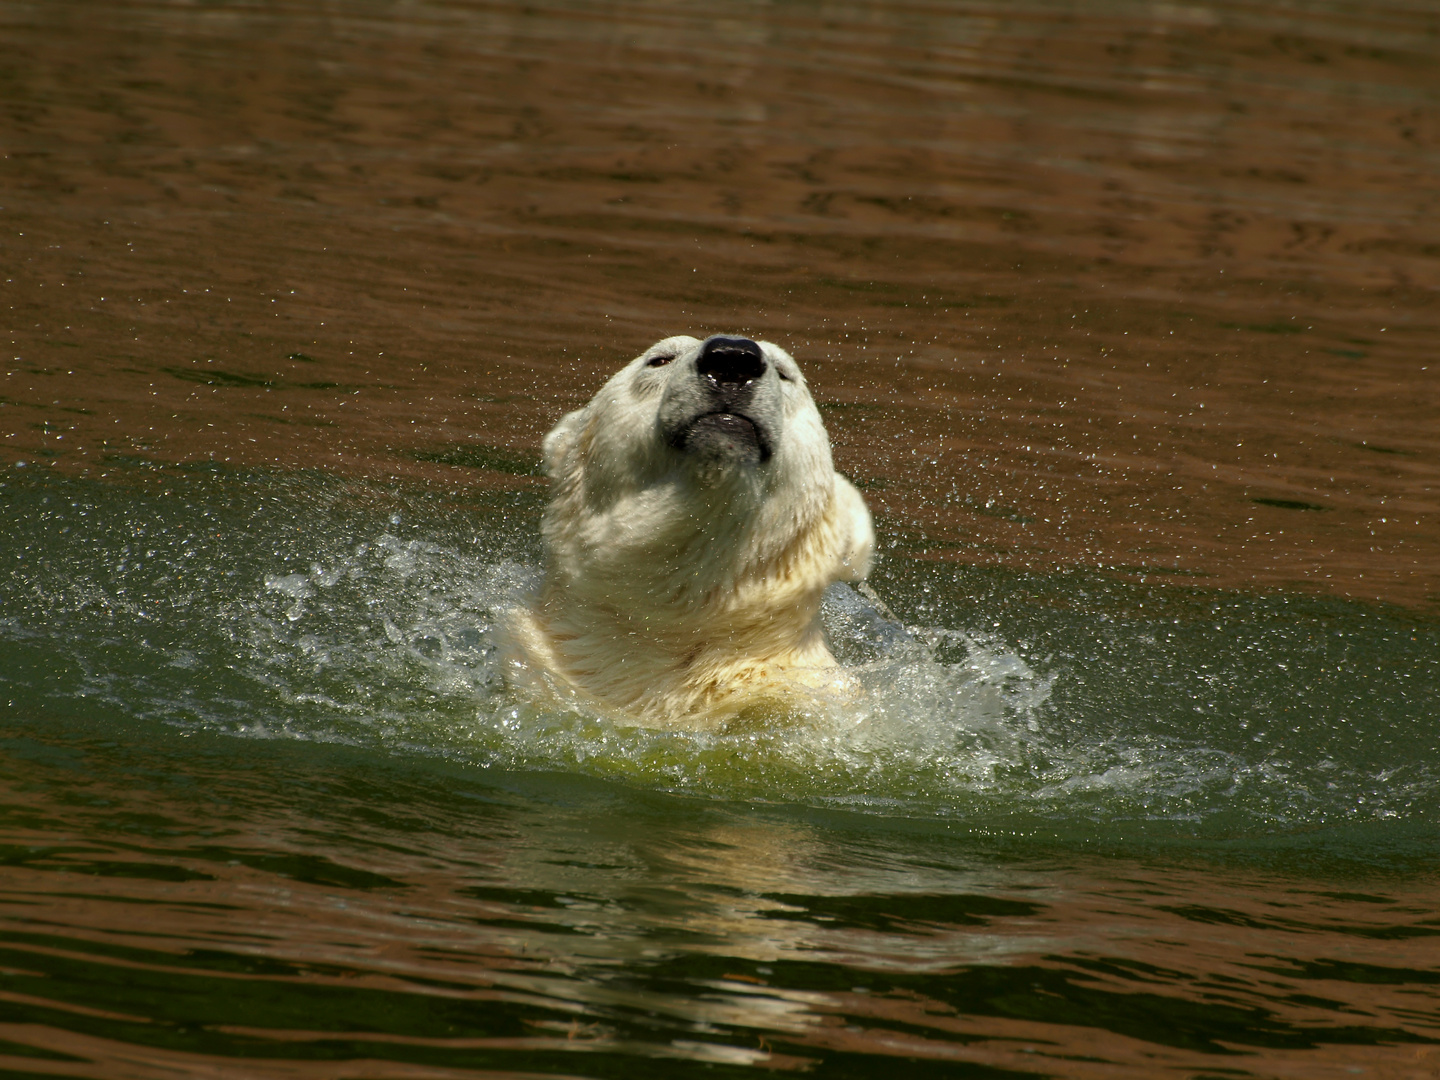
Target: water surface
1123,317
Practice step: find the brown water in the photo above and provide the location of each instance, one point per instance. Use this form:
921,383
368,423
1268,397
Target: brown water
672,940
1122,314
1079,285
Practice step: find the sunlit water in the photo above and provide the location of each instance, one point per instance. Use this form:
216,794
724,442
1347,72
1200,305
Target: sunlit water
1121,315
271,607
257,731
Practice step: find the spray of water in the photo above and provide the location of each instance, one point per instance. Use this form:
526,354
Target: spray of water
267,612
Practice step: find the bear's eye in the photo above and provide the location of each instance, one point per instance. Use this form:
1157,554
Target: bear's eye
784,374
659,361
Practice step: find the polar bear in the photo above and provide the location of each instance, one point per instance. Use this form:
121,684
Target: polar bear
695,520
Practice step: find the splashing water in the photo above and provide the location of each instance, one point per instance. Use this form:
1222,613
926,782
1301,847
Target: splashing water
299,609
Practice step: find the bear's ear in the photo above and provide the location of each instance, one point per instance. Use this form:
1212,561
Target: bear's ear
857,532
557,444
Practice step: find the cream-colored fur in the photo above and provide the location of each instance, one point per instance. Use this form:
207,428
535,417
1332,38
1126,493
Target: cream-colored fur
685,568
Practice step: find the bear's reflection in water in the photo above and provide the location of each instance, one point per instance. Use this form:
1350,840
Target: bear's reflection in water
696,520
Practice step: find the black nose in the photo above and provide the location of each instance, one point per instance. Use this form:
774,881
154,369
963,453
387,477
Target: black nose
731,360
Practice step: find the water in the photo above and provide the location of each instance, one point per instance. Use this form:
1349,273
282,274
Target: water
1122,316
256,733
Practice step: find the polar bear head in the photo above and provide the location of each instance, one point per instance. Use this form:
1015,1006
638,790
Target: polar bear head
695,519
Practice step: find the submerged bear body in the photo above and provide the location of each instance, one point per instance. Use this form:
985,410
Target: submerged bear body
695,521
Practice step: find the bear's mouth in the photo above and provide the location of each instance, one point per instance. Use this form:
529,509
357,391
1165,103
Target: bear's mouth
728,435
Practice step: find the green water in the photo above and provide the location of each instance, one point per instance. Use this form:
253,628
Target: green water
267,799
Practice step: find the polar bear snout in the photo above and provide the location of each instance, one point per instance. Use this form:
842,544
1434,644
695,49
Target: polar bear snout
726,436
721,406
730,361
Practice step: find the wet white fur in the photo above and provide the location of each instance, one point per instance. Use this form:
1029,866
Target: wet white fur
676,589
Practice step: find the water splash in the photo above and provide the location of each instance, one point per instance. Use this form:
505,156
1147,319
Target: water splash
287,610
